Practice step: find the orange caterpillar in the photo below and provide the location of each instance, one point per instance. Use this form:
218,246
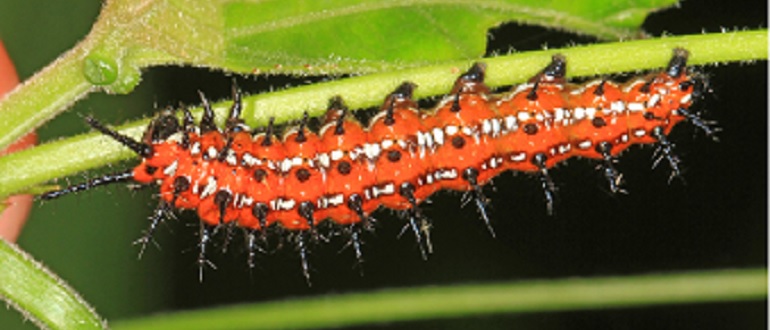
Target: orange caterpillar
346,171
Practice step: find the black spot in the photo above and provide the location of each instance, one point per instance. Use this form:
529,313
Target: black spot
181,184
458,142
685,85
344,167
163,127
302,174
539,160
649,115
222,197
471,175
598,122
260,174
306,210
150,169
394,156
530,129
407,191
604,148
260,212
646,87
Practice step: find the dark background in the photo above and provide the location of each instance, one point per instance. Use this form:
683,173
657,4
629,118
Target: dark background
716,219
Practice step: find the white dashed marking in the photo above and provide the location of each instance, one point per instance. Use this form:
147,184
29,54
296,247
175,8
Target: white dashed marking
636,106
518,157
585,144
171,169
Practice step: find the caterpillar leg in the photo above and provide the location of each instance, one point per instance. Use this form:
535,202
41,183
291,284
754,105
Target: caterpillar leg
707,126
549,188
204,238
613,176
366,223
665,150
354,232
156,218
417,222
482,202
252,246
304,254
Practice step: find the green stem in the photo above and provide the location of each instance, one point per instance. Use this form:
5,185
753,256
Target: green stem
42,97
41,296
26,169
473,300
590,60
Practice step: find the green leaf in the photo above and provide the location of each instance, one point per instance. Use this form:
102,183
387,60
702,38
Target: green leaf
299,37
429,303
41,296
375,35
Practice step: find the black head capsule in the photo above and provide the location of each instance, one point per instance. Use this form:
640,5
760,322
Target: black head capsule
207,120
678,63
163,126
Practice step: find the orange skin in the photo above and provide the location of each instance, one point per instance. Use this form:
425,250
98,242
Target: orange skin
343,180
323,171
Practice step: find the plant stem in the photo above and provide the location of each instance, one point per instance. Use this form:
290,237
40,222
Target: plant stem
41,296
42,97
473,300
25,169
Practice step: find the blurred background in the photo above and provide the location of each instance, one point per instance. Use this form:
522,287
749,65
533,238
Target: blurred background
717,219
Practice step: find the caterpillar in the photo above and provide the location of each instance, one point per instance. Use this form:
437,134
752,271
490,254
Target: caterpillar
236,177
